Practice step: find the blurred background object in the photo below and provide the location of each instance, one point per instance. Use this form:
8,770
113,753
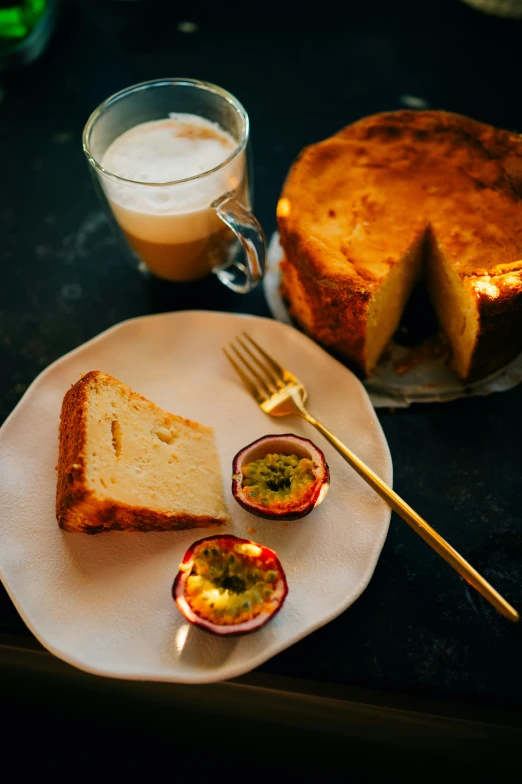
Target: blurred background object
511,9
25,29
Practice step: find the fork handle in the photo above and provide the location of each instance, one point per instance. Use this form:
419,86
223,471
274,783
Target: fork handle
419,525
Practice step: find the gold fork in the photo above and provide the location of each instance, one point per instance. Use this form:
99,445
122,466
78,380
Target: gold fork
279,393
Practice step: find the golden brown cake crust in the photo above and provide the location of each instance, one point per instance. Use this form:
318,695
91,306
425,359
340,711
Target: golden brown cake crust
353,204
500,335
369,189
77,508
335,315
71,488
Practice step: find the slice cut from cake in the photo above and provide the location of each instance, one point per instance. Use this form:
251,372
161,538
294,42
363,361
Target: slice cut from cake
126,464
362,212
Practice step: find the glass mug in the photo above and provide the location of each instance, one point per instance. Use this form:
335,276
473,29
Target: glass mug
183,229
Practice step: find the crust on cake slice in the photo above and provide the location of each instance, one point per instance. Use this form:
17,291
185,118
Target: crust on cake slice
126,464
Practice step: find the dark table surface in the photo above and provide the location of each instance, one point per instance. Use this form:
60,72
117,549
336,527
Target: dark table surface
417,629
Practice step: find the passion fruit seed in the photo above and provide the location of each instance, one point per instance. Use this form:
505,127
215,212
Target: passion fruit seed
277,477
228,585
280,477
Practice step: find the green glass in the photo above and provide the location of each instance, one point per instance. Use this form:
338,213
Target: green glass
17,20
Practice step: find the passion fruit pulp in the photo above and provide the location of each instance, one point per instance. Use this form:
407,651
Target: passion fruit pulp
227,585
280,477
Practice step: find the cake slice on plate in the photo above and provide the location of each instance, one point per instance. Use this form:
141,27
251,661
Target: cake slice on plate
126,464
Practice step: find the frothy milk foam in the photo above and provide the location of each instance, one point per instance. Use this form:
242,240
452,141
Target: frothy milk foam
172,227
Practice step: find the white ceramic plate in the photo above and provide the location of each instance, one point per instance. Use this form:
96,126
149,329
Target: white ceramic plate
103,603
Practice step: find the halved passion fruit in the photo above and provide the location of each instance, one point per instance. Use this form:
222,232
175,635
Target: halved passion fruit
228,585
280,477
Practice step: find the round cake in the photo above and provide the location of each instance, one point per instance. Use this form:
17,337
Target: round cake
394,197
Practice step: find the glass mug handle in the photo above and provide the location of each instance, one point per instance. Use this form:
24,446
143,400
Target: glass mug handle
252,240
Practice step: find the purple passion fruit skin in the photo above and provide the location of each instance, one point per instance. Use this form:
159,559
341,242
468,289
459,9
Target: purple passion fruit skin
280,477
226,585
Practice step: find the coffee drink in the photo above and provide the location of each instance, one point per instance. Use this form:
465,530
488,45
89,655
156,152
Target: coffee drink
169,159
172,170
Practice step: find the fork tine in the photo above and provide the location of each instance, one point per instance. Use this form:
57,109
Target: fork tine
263,387
279,370
254,391
269,373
